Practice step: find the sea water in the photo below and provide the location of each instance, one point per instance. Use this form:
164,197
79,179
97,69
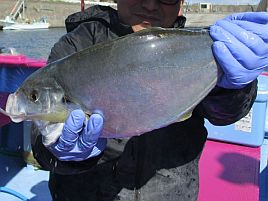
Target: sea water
32,43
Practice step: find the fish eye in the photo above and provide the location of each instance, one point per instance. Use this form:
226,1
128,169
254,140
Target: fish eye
65,99
34,96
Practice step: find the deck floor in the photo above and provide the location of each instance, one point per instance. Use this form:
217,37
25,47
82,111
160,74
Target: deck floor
232,171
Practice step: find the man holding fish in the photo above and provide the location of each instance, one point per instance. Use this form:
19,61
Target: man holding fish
161,164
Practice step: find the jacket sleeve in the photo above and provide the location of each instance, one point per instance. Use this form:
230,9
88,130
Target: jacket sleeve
70,43
84,36
226,106
49,162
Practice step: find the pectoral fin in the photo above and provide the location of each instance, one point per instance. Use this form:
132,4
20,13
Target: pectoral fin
186,116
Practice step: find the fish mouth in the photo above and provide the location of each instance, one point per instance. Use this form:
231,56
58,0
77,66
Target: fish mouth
17,118
55,117
16,111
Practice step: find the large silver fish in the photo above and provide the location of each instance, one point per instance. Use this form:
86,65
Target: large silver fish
140,82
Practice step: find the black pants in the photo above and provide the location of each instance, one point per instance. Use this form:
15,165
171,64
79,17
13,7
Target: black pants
102,184
160,166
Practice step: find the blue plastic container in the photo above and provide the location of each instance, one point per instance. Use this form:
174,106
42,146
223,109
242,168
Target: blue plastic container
12,134
249,130
11,137
12,77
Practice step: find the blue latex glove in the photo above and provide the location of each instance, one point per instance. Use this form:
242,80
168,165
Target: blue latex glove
79,139
240,48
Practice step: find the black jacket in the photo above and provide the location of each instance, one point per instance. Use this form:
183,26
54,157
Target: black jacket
137,162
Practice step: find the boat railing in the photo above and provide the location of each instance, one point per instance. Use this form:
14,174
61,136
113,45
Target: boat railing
17,9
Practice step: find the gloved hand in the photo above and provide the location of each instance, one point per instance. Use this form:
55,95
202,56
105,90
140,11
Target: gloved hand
240,48
77,139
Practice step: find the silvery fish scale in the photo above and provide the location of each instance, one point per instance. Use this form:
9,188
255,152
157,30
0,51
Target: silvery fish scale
143,81
140,82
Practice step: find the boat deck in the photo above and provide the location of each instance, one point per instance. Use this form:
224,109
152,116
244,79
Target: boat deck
23,179
227,173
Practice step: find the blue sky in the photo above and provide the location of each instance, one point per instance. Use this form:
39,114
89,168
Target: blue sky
228,2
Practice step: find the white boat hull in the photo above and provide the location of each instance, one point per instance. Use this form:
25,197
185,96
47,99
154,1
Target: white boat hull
25,26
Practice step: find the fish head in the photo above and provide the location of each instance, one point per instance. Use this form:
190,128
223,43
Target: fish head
39,97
